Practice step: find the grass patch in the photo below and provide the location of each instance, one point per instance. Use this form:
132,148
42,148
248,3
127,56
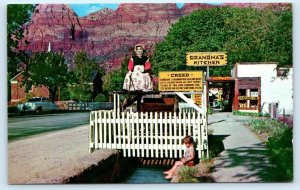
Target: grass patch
196,174
16,113
265,125
187,174
250,114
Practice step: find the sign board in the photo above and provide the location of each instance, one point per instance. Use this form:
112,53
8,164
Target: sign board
197,99
206,58
248,98
180,81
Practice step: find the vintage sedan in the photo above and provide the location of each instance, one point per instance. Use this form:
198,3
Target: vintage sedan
38,105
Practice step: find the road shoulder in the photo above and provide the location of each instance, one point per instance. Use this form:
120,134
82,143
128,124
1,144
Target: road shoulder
52,157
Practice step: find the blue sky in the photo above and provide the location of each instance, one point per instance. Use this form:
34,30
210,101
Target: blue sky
85,9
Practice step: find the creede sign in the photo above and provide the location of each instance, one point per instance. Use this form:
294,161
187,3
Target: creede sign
206,58
180,81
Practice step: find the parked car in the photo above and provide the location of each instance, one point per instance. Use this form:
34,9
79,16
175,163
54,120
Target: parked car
37,104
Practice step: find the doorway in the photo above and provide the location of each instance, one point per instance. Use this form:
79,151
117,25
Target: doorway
220,93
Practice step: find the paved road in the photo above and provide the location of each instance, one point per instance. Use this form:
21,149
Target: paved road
23,126
244,158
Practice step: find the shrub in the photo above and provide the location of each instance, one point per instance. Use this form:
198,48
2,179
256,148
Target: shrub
280,147
209,110
101,98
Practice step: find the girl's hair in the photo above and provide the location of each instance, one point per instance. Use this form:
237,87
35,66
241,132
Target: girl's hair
139,45
188,139
143,47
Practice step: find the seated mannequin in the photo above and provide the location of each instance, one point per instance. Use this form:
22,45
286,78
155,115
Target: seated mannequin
138,76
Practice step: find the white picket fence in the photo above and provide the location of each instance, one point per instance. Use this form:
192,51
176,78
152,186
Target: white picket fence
151,135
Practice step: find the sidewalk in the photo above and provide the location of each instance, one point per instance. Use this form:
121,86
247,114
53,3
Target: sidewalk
244,158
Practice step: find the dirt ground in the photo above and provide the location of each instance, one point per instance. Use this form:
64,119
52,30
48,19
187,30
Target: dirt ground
52,157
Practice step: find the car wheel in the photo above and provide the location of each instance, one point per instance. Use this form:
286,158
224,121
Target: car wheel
39,110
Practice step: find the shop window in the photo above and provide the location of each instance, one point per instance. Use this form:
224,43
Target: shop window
254,93
242,104
253,104
282,72
242,92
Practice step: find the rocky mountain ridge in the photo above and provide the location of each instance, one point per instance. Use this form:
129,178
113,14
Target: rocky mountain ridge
107,35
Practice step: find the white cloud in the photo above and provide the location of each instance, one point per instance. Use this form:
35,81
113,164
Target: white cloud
94,8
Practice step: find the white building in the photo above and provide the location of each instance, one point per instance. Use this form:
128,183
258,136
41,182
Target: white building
276,84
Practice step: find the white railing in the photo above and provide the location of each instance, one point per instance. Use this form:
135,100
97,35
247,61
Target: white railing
78,106
90,106
155,135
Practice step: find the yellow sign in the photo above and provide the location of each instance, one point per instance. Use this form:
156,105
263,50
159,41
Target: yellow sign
248,98
206,58
180,81
198,99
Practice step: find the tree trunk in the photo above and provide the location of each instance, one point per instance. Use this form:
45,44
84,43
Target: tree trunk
52,93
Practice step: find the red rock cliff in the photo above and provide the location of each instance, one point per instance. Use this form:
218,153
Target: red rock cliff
106,35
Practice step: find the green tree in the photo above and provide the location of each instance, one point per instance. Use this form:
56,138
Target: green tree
84,67
17,16
46,69
114,80
282,44
246,34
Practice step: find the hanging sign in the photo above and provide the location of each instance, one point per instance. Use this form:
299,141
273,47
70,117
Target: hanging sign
206,58
248,98
180,81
